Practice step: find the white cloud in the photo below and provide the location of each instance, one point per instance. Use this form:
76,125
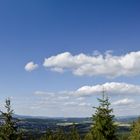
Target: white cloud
125,101
60,70
30,66
112,88
94,65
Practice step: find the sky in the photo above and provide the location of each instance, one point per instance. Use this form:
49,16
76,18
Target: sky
57,56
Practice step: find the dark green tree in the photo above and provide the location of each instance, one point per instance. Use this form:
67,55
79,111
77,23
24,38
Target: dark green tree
8,130
135,132
103,123
60,135
88,136
74,135
48,135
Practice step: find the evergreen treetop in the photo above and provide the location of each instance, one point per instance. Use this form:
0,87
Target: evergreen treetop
103,123
8,130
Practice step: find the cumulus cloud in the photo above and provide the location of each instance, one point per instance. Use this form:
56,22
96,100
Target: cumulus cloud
30,66
112,88
95,65
125,101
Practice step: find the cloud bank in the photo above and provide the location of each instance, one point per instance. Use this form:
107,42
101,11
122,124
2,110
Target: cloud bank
112,88
107,65
84,98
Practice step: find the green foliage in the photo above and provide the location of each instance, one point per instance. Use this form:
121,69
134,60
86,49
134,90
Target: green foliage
74,135
135,132
123,136
49,135
89,136
103,124
8,130
60,135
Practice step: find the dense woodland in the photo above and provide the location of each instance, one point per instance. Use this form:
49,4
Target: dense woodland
103,127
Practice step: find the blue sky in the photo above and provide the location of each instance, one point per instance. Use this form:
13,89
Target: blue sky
31,31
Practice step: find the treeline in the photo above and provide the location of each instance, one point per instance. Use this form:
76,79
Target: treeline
103,127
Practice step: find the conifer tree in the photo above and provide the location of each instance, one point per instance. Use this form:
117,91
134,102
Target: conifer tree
103,124
74,135
135,132
8,130
48,135
60,135
88,136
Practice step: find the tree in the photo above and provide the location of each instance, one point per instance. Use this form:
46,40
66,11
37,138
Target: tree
88,136
74,135
8,130
103,124
60,135
135,132
48,135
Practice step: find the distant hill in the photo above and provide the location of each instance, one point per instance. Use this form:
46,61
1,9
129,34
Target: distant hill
125,119
45,117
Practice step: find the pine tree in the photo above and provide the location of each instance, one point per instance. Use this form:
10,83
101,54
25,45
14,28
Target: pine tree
135,132
89,136
74,135
103,124
48,135
8,130
60,135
